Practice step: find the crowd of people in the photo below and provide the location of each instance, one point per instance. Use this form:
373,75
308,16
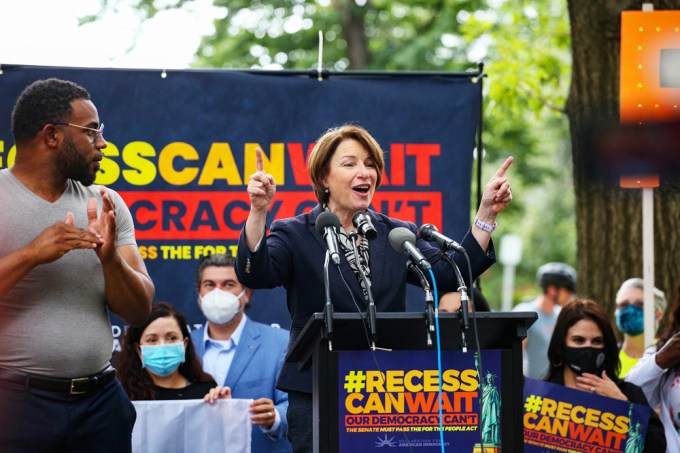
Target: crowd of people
58,227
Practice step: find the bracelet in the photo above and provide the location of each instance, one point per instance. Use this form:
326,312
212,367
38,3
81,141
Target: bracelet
485,226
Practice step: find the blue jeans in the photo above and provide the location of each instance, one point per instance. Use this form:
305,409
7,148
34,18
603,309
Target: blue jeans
34,420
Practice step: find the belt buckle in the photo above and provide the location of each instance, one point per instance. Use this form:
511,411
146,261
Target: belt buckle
73,391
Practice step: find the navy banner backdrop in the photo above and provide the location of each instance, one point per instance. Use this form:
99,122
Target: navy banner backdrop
182,147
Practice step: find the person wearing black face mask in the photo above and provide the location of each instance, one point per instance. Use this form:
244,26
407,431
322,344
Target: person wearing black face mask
583,355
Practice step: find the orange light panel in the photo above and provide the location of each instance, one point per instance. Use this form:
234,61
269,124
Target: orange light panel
650,54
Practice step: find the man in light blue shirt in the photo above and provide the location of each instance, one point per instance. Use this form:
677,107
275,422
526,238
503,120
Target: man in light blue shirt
240,353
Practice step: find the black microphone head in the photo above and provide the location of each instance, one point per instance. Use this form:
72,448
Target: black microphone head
399,235
426,231
326,219
362,222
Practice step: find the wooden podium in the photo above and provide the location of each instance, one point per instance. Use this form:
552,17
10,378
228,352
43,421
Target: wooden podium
408,332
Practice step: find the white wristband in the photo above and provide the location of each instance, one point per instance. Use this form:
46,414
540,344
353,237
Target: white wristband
485,226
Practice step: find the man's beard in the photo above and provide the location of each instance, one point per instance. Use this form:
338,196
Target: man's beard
73,165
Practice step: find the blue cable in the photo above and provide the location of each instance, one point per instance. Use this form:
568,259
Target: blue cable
439,358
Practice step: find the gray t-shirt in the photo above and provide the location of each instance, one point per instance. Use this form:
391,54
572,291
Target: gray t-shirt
54,322
535,363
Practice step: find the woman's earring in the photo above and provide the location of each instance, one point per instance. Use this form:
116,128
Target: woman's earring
325,191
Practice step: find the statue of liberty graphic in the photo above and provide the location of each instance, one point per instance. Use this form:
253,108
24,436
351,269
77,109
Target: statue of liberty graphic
490,411
635,442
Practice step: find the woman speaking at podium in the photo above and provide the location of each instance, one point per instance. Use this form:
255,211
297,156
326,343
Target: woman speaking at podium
345,167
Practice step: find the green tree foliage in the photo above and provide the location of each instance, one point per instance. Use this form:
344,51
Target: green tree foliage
525,49
528,62
379,34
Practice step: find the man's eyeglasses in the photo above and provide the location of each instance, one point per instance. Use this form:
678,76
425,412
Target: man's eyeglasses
94,134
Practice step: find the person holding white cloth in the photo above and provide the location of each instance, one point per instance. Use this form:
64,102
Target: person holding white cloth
240,353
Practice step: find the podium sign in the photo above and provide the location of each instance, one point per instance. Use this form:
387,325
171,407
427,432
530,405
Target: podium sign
391,399
348,384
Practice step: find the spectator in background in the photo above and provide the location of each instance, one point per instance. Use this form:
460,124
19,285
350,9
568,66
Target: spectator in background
158,362
630,320
558,283
240,353
583,355
658,373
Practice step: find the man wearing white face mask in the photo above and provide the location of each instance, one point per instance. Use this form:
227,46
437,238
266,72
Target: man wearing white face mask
240,353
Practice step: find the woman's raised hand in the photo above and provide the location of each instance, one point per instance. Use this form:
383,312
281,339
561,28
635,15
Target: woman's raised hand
262,187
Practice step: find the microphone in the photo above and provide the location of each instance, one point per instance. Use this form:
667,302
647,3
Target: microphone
430,233
403,240
328,224
362,222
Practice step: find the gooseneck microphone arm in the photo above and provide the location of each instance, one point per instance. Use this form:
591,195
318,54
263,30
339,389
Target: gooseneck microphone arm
429,299
328,225
372,321
464,311
328,307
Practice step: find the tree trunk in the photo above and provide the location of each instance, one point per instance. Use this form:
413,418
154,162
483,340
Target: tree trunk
354,32
608,218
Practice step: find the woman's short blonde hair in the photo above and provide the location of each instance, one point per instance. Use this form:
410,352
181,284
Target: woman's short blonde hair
660,302
325,147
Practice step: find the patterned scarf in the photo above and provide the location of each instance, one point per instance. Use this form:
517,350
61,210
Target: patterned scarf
362,249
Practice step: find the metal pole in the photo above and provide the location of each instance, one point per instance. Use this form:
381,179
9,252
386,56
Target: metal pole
648,262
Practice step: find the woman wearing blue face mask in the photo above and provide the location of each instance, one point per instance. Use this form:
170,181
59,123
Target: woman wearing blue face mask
583,355
158,362
630,320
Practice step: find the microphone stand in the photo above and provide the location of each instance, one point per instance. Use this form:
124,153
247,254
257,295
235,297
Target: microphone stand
429,299
328,308
372,323
463,301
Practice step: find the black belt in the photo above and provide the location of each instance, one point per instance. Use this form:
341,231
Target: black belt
75,386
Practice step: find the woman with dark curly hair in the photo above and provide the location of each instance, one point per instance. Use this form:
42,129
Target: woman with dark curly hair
658,374
158,361
583,355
